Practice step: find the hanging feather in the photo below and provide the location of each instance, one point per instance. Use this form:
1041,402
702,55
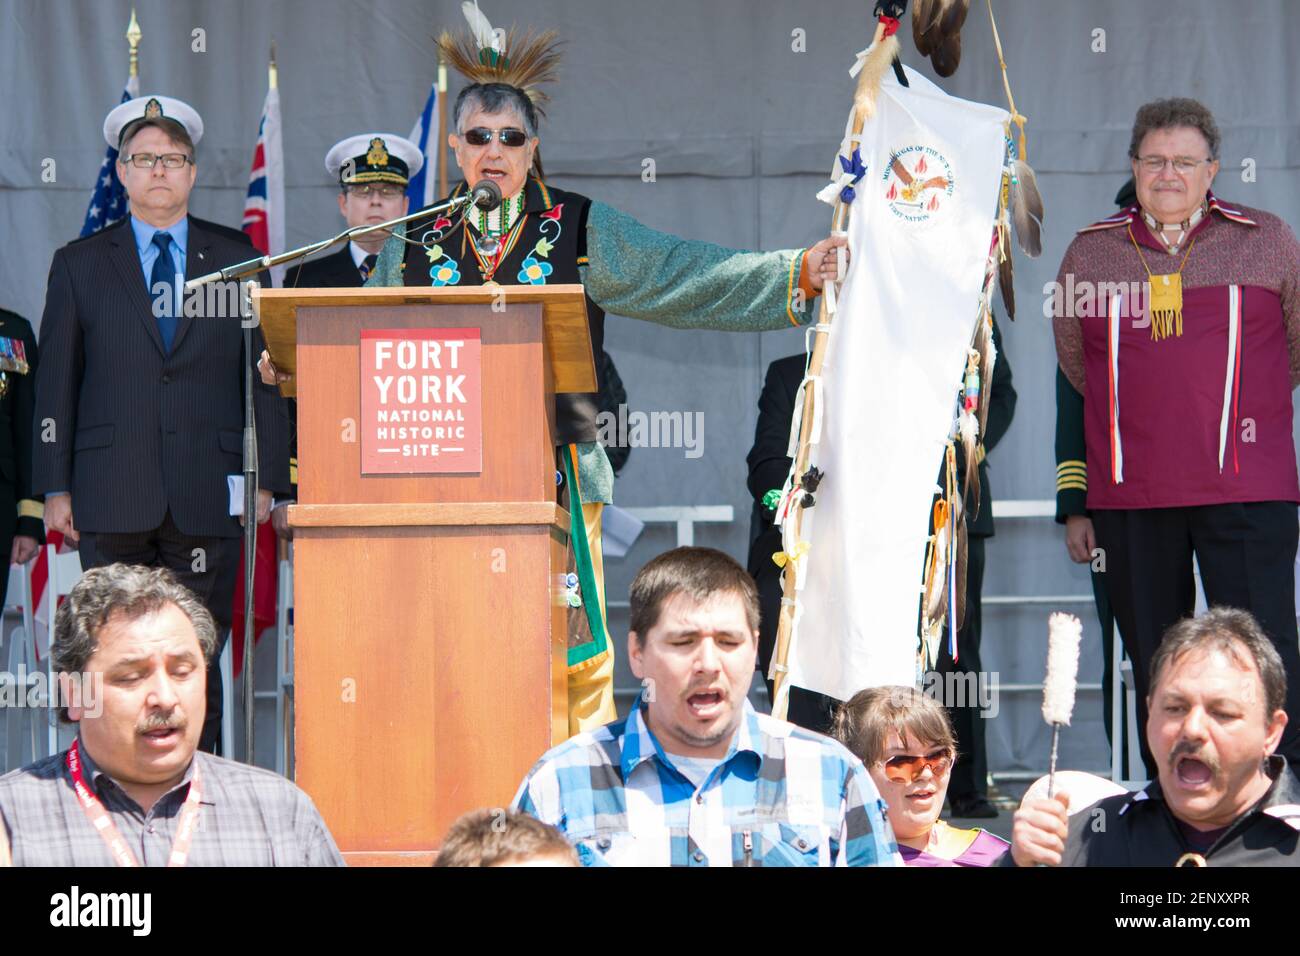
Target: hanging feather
925,17
961,566
935,586
954,16
988,359
1026,208
1006,285
936,32
968,430
947,57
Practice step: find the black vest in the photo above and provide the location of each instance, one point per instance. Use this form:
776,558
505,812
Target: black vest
545,247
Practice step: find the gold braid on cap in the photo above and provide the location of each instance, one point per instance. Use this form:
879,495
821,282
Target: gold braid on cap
524,60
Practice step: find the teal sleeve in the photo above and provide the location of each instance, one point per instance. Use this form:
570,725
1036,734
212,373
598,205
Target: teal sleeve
640,273
388,267
595,474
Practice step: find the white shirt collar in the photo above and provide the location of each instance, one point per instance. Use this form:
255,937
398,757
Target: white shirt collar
358,254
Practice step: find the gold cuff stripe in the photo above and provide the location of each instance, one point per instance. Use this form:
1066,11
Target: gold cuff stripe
795,261
1072,485
27,508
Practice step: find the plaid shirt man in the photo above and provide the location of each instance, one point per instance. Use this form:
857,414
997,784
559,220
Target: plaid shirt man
248,817
782,796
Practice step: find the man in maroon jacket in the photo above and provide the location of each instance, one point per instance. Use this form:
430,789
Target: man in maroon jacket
1178,319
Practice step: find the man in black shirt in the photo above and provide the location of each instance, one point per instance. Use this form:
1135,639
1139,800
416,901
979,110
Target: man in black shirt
1223,797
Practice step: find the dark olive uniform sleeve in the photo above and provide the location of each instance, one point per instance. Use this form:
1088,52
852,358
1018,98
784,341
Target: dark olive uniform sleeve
1071,451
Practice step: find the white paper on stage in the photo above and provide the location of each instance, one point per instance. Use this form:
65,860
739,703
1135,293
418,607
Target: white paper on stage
919,232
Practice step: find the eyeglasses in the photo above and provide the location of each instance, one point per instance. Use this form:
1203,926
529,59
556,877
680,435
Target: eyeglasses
150,160
905,768
481,136
1182,164
384,191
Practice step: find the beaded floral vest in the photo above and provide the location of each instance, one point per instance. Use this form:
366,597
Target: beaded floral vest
545,246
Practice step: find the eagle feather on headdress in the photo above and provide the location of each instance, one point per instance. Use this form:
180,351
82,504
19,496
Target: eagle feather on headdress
525,60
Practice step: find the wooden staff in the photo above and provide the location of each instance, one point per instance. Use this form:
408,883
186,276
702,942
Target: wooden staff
880,55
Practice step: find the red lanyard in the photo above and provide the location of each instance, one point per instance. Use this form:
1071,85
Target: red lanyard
108,831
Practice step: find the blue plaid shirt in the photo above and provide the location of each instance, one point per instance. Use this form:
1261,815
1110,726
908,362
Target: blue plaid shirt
782,796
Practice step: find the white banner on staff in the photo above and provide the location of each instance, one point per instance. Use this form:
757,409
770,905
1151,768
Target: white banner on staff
921,224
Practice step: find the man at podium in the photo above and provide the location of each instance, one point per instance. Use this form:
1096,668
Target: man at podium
542,235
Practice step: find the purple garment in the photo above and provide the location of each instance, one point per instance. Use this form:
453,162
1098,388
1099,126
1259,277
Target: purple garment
984,851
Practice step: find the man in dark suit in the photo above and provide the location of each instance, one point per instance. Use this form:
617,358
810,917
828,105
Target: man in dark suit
768,467
21,530
139,398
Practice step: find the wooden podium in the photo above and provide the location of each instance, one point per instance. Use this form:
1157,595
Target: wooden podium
430,627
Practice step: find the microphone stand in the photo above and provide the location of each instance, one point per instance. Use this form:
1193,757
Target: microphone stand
240,271
250,267
250,523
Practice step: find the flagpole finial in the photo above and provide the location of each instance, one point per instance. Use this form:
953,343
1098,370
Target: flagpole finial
133,36
273,76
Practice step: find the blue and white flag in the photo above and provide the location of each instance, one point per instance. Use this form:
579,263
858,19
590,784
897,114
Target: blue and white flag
108,201
422,188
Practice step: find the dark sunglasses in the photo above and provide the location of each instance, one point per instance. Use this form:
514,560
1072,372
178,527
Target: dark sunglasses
905,768
481,136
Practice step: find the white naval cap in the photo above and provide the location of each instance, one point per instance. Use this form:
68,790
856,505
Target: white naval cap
374,158
151,107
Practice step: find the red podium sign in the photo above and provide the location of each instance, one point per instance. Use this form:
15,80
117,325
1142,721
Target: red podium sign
421,401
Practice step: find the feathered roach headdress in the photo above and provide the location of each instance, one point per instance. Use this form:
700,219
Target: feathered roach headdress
525,61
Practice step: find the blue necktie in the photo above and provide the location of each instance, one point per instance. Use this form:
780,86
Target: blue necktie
164,274
368,266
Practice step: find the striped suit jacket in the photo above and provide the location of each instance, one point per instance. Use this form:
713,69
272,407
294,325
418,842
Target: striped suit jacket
129,429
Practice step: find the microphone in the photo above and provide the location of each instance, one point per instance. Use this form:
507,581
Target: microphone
486,195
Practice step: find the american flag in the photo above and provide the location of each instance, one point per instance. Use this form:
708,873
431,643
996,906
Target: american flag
108,201
424,184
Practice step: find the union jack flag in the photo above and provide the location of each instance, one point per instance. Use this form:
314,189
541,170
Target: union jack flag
264,202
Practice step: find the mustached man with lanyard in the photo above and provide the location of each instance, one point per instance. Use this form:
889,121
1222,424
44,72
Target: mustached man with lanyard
131,650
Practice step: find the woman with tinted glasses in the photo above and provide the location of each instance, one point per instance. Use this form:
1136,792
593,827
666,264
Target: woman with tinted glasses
907,743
